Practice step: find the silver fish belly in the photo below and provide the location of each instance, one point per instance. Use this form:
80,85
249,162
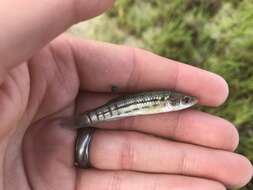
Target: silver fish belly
144,103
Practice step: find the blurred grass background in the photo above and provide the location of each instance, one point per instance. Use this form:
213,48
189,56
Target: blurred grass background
214,35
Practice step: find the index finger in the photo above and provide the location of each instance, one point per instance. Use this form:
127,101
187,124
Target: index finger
102,65
38,23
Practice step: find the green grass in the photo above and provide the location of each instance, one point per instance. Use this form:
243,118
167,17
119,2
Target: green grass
214,35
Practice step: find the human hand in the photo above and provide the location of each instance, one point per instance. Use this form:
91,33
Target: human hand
70,75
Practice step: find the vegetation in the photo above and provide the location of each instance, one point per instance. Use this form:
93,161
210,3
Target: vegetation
214,35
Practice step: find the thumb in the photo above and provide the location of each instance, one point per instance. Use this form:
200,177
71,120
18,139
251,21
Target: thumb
26,26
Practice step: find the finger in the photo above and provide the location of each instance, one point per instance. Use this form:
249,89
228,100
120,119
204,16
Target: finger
188,126
133,69
114,150
96,180
21,37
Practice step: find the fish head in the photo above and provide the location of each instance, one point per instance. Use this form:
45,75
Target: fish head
178,101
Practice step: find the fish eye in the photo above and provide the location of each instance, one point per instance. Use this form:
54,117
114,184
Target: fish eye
186,100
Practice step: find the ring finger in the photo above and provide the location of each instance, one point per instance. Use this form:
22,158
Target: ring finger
118,150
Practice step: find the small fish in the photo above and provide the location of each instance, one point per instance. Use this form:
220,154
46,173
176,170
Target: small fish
144,103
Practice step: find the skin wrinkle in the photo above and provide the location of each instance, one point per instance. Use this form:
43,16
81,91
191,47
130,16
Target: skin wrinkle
12,134
69,41
108,185
3,161
10,143
20,112
137,78
4,90
33,106
18,95
116,183
156,184
27,116
177,126
183,163
29,89
60,75
27,176
127,155
177,74
76,58
40,105
3,70
5,131
37,168
132,75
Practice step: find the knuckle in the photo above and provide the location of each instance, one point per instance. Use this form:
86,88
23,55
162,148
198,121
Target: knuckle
134,75
185,164
176,132
116,182
156,184
127,153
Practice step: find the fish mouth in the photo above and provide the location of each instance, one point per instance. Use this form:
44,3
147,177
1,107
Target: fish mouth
194,101
188,106
189,100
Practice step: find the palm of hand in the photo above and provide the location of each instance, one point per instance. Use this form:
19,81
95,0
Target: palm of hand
35,154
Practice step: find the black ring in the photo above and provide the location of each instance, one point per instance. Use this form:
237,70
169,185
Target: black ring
82,146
